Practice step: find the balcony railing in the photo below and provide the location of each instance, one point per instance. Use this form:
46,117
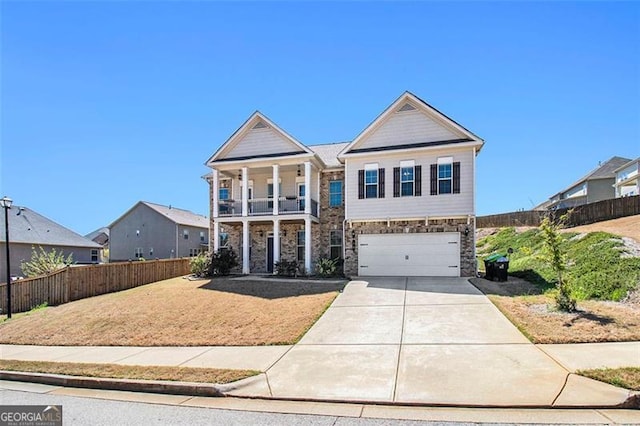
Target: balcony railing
264,206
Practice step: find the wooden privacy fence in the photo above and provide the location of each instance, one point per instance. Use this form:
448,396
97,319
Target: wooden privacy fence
79,282
581,215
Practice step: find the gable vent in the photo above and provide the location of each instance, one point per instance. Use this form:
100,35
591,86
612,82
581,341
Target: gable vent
406,107
260,125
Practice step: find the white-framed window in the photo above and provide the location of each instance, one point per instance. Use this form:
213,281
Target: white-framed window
94,255
270,191
445,175
371,180
224,192
150,251
193,252
300,246
335,193
185,234
407,178
335,244
202,237
223,240
138,252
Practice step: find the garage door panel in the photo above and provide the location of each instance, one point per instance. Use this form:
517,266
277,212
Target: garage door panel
427,254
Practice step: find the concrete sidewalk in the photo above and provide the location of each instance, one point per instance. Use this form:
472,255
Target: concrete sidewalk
396,340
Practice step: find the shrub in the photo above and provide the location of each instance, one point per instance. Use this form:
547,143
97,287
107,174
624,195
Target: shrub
287,268
326,267
222,262
200,265
45,262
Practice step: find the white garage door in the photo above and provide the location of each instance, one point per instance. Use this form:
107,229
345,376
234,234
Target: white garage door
430,254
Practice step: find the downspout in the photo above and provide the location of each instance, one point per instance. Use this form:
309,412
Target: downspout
177,240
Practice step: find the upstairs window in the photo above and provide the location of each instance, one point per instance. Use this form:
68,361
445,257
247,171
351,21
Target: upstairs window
407,179
185,234
335,193
202,236
371,182
224,192
445,176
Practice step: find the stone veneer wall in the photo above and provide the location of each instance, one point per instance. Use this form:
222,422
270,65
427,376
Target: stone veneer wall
468,264
331,218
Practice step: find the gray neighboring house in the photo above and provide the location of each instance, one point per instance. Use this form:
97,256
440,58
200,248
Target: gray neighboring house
28,229
154,231
598,185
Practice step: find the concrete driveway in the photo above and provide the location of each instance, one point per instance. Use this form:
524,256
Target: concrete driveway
422,340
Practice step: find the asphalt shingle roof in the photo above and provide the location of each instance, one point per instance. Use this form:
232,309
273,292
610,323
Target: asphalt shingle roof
27,226
180,216
328,153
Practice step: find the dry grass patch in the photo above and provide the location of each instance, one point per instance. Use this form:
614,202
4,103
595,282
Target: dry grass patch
181,312
626,377
137,372
534,315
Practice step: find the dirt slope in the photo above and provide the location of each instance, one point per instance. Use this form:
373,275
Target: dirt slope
625,227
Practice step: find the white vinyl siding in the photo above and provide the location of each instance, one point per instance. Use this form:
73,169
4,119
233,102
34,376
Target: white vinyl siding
578,191
415,207
261,142
406,128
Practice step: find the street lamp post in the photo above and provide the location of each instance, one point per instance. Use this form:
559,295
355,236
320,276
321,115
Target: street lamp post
6,205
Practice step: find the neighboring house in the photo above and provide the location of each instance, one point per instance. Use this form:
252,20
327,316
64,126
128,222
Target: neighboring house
29,230
101,236
598,185
153,231
628,179
397,200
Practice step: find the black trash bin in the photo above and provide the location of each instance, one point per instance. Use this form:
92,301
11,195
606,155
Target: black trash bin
490,266
500,268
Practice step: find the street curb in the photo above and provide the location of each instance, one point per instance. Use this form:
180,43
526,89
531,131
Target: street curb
151,386
218,390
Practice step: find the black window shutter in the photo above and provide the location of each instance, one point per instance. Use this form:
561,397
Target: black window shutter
380,183
456,177
396,181
434,179
361,184
418,180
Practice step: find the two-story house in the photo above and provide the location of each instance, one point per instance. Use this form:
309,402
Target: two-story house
153,231
597,185
397,200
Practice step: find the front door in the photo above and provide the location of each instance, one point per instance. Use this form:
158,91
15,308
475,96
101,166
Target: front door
270,253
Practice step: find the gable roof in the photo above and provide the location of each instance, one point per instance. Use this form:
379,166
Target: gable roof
408,102
180,216
28,227
627,164
328,153
175,215
257,121
603,171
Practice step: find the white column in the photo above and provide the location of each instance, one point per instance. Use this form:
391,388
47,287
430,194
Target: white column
307,245
245,247
307,187
245,192
215,189
276,242
318,194
276,190
216,236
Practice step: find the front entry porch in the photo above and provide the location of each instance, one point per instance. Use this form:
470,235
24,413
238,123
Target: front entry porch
260,244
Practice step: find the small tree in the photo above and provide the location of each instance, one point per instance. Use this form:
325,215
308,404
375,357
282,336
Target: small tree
554,254
45,262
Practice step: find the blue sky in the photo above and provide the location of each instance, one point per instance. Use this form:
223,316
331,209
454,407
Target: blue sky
107,103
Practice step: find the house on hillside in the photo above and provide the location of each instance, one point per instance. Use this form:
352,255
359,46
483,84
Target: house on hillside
628,179
397,200
597,185
29,230
154,231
